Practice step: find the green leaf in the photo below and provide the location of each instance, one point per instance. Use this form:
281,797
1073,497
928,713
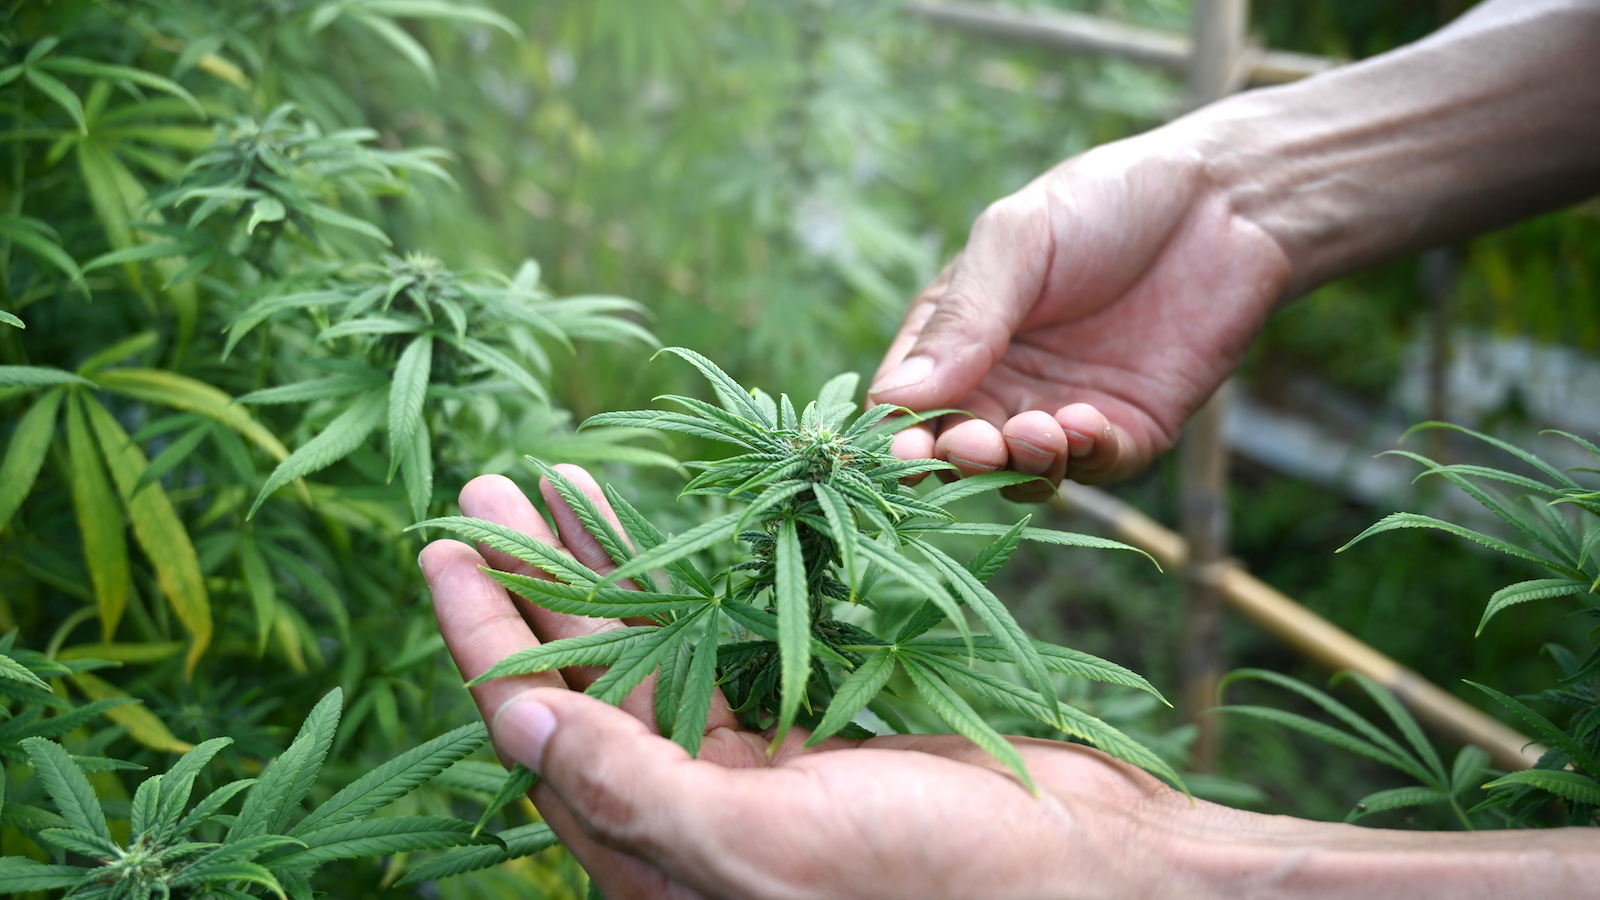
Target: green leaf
285,782
694,704
59,94
402,41
173,455
229,872
315,389
793,602
640,659
994,614
504,366
919,581
647,537
734,398
856,691
1543,727
1038,535
600,649
1056,659
530,550
20,875
1395,798
38,376
138,253
67,786
1414,520
842,528
159,530
1326,733
955,711
407,390
1523,591
975,484
1566,785
34,236
416,469
1512,449
341,438
374,325
9,319
518,782
94,69
264,308
1470,764
394,778
175,787
1402,721
10,668
521,841
989,560
212,804
836,401
267,209
30,441
663,420
692,541
376,837
56,726
81,843
329,216
100,522
588,513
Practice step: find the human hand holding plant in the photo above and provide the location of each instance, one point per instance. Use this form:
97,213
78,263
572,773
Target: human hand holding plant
842,819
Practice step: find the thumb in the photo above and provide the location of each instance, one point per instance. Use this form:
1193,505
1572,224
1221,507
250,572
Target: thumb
629,789
990,291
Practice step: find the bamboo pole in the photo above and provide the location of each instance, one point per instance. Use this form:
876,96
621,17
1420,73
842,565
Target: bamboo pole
1322,641
1079,33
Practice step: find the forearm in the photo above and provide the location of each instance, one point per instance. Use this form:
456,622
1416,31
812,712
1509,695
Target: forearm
1494,118
1320,861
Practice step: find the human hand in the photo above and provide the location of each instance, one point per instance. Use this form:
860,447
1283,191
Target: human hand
1089,314
924,816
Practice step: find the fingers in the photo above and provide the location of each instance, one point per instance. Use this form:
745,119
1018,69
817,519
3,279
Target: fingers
579,542
624,787
497,499
479,623
990,290
1097,450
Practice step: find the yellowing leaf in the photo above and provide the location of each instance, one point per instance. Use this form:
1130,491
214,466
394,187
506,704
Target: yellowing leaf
143,725
190,395
159,531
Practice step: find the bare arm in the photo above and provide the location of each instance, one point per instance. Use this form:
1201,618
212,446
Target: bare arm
1092,311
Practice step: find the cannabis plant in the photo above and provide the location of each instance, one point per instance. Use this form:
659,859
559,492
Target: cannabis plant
1567,549
175,849
822,521
1416,758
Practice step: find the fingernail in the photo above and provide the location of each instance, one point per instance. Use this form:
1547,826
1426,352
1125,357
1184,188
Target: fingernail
960,461
1079,444
522,727
912,370
419,563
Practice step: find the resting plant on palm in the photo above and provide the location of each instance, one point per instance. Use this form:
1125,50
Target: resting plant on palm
820,523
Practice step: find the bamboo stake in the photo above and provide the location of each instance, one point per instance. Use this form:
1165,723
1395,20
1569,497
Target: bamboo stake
1079,33
1322,641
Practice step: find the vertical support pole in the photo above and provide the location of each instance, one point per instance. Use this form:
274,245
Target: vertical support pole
1218,32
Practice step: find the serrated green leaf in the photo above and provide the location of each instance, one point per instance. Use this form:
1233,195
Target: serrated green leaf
173,455
792,600
530,550
647,537
994,614
1523,591
339,439
80,842
1566,785
521,841
1399,520
59,94
394,778
39,242
678,547
855,692
1402,721
212,804
919,581
407,389
67,786
315,389
1323,732
1038,535
640,659
20,875
375,837
1395,798
975,484
175,787
989,560
959,715
1545,728
600,649
518,782
842,529
734,398
505,367
694,702
588,513
285,782
95,69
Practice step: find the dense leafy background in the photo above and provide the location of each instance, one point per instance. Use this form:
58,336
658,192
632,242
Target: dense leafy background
769,180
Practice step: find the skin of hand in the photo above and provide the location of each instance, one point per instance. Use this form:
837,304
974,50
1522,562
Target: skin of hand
906,816
1093,310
